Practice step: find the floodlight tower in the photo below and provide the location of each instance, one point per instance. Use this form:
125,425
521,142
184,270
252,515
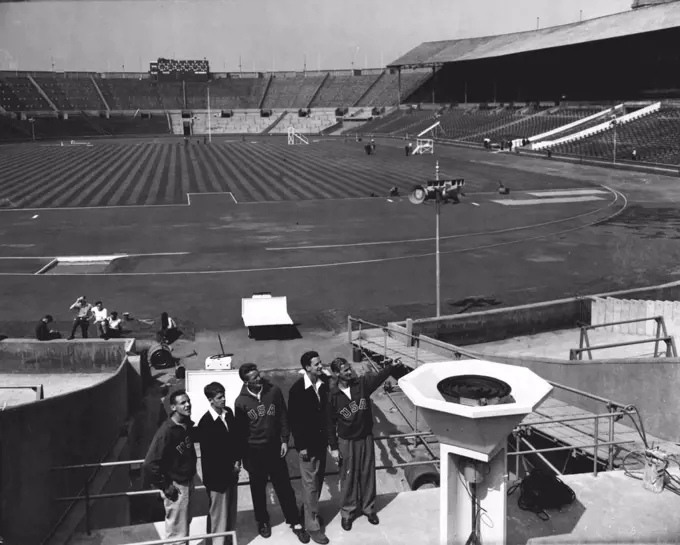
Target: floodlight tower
441,192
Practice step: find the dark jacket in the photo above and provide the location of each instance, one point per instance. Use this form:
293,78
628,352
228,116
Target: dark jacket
42,331
307,415
219,450
262,424
171,456
353,419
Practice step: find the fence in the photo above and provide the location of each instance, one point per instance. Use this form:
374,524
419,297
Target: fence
416,353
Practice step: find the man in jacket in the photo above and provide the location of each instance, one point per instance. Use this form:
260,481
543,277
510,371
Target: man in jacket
350,436
170,465
262,422
307,401
220,461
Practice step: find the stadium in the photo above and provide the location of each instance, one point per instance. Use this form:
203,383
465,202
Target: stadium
542,235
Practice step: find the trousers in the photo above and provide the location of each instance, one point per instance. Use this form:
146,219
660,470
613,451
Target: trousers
262,464
312,474
222,512
357,477
177,513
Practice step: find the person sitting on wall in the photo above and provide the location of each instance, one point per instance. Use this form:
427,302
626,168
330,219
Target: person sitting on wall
169,329
99,318
43,332
114,326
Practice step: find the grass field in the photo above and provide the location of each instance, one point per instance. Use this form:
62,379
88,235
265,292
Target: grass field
143,172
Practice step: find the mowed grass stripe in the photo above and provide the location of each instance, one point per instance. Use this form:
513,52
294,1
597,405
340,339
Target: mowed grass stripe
112,195
58,180
21,180
242,189
353,174
350,186
279,173
106,166
68,183
206,162
242,165
35,158
167,195
11,161
195,169
159,168
37,173
185,180
141,189
313,176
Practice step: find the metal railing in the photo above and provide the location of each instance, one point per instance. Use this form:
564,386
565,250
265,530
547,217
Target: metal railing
615,410
585,346
183,541
87,497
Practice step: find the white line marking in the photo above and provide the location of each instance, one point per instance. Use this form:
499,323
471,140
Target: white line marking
208,193
565,192
48,266
362,262
76,258
524,202
447,237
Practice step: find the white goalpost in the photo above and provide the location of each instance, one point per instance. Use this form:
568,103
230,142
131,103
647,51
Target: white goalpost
295,137
425,146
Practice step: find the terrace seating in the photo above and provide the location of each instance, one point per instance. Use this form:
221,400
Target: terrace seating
18,94
124,125
385,90
170,94
71,93
314,123
376,125
242,122
654,137
342,91
295,92
226,94
130,94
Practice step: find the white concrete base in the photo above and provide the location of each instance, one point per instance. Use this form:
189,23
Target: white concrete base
455,517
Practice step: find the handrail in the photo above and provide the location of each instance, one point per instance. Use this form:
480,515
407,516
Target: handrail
141,461
176,541
245,482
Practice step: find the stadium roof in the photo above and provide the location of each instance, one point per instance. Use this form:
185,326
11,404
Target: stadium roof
648,19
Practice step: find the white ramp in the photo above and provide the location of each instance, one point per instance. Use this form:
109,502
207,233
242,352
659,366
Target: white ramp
263,310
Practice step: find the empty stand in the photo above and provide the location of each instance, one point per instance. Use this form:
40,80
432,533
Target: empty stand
70,93
342,91
385,91
18,94
226,93
317,121
291,92
654,137
130,94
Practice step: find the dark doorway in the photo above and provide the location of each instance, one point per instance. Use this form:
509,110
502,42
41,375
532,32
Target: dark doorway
187,129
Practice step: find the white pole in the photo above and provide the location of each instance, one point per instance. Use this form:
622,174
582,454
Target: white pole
209,131
437,206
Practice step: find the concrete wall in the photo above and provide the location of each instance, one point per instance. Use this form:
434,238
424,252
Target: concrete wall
504,323
79,427
648,384
61,356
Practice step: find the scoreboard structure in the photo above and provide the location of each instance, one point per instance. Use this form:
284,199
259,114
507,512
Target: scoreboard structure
180,70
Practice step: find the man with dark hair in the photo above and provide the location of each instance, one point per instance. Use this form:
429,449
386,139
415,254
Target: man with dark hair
307,401
82,318
220,461
262,422
350,436
170,465
43,332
